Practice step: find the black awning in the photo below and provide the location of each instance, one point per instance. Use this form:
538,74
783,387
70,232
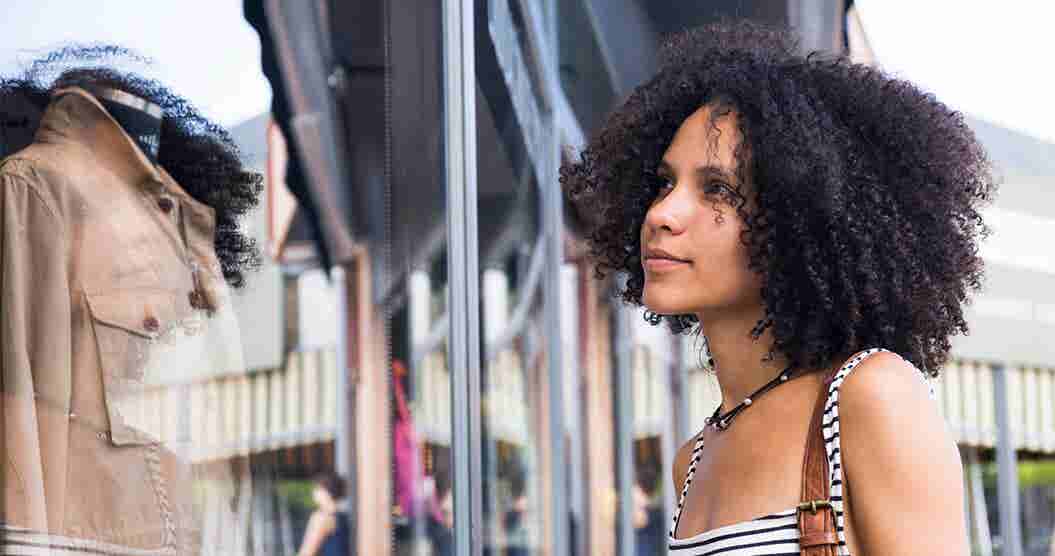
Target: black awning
295,58
358,96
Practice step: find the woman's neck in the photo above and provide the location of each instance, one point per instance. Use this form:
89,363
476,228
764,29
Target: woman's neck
738,357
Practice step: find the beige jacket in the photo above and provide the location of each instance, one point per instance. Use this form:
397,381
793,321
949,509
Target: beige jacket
111,303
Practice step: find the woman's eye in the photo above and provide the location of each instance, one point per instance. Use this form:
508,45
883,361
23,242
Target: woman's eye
716,188
663,185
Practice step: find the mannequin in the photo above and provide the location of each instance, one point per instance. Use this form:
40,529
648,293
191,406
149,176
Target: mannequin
199,154
119,246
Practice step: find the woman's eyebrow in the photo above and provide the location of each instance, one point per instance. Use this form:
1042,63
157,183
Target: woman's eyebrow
705,171
709,170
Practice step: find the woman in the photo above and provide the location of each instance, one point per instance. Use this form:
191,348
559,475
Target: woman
328,531
798,213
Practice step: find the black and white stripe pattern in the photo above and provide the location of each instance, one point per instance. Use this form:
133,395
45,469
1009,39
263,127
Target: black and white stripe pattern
16,541
778,533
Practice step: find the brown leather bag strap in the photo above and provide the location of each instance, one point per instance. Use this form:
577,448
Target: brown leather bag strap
816,516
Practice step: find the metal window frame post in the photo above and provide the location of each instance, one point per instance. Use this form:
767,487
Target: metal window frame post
1007,468
463,352
552,222
553,226
624,428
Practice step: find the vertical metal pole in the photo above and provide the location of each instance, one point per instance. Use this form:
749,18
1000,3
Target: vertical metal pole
979,516
1007,469
558,464
577,447
463,354
553,225
624,429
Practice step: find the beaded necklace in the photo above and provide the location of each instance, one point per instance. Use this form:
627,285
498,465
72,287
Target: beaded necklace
720,421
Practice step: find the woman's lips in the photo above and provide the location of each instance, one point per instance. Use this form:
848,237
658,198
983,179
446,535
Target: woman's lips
656,264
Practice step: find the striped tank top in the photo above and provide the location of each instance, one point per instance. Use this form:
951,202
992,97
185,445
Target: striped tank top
778,533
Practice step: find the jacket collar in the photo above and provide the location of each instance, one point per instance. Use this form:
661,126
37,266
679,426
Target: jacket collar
76,115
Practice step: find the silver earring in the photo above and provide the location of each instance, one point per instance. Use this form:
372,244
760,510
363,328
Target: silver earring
706,361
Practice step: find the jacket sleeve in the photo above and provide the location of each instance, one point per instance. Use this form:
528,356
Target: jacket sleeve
34,357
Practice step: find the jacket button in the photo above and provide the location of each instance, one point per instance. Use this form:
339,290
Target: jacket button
151,324
166,205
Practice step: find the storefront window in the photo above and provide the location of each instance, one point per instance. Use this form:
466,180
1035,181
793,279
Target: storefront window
516,168
417,313
514,350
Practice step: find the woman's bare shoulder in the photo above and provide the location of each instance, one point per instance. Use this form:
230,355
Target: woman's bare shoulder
324,521
901,466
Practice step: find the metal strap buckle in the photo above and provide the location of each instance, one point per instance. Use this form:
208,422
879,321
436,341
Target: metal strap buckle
812,505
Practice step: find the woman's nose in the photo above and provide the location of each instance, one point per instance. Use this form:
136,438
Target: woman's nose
668,212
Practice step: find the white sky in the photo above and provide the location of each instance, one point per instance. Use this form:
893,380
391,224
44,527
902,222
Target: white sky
990,59
201,49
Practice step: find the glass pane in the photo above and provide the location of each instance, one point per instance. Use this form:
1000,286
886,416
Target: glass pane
513,373
514,158
514,339
416,310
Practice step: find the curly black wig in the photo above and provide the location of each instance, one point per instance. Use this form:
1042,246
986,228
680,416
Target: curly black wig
199,154
864,222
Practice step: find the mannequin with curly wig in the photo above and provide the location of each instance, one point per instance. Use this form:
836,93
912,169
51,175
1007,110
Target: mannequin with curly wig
199,154
116,264
795,210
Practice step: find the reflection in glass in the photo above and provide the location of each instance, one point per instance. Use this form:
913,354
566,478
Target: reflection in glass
417,316
513,374
421,417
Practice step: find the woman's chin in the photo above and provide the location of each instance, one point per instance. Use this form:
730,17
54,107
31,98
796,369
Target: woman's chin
665,305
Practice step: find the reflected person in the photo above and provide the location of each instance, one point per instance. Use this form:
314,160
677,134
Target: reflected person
329,531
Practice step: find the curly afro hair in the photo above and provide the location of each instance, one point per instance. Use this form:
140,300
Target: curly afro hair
864,223
199,154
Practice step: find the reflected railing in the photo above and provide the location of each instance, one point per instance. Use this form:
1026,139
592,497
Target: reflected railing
261,410
507,394
966,399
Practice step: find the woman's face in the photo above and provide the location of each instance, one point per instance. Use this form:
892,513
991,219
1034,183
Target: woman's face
691,249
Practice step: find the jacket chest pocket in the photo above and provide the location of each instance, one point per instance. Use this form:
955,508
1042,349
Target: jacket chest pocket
137,333
156,351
